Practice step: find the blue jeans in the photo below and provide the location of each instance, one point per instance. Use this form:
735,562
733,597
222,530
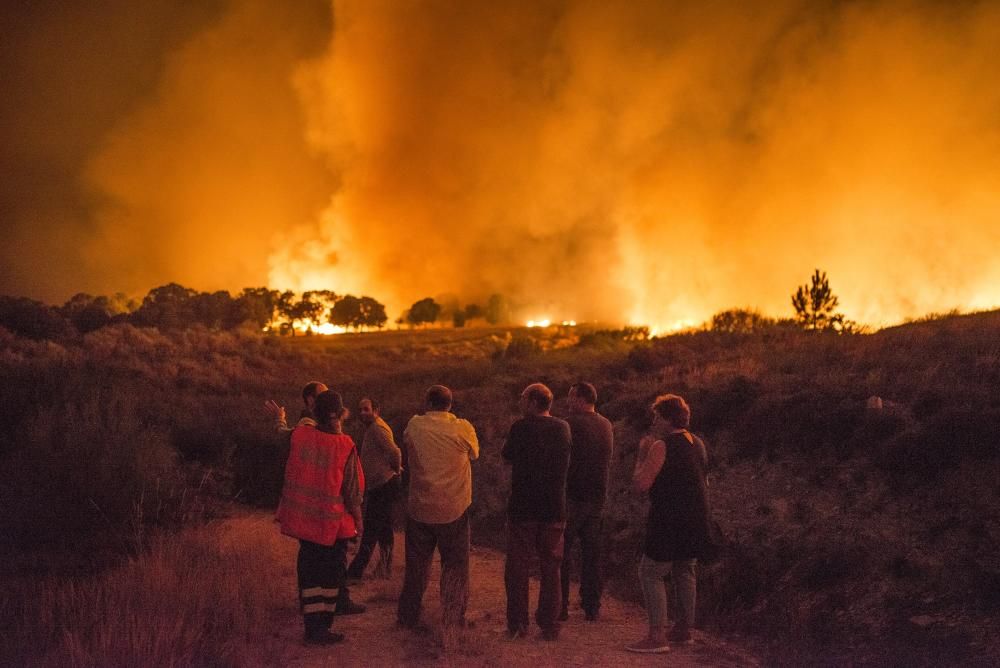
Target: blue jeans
652,576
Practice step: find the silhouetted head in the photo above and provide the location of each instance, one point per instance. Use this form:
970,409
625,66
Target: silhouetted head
582,397
329,408
311,391
368,410
438,398
536,399
673,409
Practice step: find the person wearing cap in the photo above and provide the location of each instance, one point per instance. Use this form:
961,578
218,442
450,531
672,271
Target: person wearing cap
321,507
671,468
382,463
538,450
439,449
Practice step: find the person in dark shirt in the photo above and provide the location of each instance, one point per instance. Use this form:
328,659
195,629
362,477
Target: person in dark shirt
537,449
671,468
586,491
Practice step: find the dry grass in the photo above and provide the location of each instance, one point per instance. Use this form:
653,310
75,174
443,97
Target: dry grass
203,597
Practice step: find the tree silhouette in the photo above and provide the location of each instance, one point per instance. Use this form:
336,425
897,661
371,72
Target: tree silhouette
346,312
424,311
497,310
372,313
473,311
169,306
33,319
255,305
815,305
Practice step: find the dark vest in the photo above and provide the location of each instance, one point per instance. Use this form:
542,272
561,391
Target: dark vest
677,527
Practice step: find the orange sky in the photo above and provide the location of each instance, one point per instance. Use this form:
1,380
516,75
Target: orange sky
653,161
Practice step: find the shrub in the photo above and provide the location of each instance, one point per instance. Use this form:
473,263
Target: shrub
520,347
740,321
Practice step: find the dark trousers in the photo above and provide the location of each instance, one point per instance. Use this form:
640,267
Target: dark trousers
524,539
379,503
320,570
452,542
585,522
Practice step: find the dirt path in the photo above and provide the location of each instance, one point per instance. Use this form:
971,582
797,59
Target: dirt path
373,639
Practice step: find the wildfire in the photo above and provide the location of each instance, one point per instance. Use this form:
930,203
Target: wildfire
670,328
312,324
547,322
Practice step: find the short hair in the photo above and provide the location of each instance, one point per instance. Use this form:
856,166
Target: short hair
373,402
539,395
438,397
584,391
673,407
329,407
311,389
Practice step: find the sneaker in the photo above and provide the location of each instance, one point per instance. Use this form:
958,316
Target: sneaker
324,637
649,646
591,615
564,615
680,635
348,608
550,634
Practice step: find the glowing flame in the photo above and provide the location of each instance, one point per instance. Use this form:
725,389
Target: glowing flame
544,322
668,328
317,325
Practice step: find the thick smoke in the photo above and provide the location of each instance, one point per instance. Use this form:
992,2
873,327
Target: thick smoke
660,161
154,142
656,161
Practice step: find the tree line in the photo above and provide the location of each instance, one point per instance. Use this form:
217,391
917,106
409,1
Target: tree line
174,307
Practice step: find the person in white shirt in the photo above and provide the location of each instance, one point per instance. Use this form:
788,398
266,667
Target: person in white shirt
439,449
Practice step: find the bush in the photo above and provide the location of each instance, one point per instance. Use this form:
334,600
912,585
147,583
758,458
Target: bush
740,321
520,347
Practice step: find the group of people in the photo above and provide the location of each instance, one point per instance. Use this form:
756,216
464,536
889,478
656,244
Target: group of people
334,492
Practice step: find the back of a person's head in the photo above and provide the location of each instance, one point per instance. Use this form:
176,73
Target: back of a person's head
672,407
438,398
585,392
329,407
312,389
539,396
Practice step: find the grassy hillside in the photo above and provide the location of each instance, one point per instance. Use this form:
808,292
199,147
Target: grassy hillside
864,530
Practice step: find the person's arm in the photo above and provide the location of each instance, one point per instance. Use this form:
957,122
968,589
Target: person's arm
509,451
648,465
565,454
277,413
473,441
385,442
350,489
702,451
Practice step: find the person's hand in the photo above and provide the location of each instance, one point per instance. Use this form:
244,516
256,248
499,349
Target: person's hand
273,410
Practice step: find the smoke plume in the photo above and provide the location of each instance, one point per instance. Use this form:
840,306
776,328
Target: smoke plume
648,161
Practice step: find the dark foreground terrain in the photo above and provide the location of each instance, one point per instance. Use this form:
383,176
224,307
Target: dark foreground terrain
857,475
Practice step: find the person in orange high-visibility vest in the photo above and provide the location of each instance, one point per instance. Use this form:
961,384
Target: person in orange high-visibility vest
321,507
